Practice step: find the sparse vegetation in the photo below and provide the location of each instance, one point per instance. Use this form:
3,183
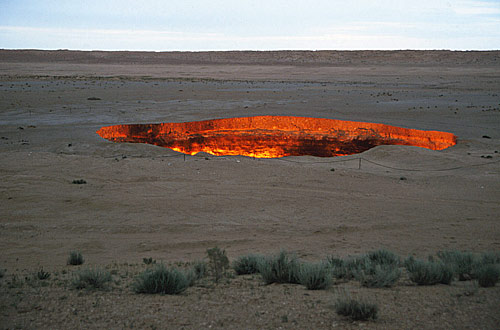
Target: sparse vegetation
356,309
42,275
15,282
248,264
488,275
282,268
428,272
315,276
75,258
79,181
160,279
218,263
148,261
2,272
91,278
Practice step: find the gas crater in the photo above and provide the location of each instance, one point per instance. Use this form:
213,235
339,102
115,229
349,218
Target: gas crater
275,136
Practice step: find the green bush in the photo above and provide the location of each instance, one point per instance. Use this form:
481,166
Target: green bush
247,264
378,276
282,268
161,280
91,278
356,309
75,258
429,272
315,276
2,273
488,275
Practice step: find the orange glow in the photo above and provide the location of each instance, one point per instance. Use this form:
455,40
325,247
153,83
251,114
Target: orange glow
275,136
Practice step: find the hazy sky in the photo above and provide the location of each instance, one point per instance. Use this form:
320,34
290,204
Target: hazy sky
250,25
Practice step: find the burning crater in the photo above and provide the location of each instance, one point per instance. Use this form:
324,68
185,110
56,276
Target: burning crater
275,136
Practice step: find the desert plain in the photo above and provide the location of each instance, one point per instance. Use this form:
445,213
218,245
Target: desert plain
142,201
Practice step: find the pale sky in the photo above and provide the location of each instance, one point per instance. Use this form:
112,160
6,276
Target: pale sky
250,25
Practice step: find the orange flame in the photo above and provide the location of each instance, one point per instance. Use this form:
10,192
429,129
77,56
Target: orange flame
275,136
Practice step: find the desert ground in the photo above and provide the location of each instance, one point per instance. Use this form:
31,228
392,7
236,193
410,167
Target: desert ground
142,201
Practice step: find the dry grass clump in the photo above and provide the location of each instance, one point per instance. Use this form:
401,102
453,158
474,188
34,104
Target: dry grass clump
218,263
91,278
160,279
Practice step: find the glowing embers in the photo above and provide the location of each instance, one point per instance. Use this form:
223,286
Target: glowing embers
275,136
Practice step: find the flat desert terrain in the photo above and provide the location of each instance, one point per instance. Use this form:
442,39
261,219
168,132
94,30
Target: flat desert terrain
142,201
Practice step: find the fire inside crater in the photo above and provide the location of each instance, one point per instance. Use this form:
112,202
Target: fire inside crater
275,136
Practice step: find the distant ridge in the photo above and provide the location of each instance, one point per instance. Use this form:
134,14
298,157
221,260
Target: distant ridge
306,58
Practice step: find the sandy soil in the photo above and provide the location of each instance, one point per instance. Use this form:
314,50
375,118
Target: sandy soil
145,201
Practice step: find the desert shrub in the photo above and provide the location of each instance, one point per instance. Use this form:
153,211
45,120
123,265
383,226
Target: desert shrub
218,263
315,276
2,273
42,275
409,263
356,309
464,264
200,269
378,276
247,264
16,282
196,272
383,257
490,257
337,267
75,258
488,275
160,279
79,181
429,272
354,265
281,268
91,278
148,261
